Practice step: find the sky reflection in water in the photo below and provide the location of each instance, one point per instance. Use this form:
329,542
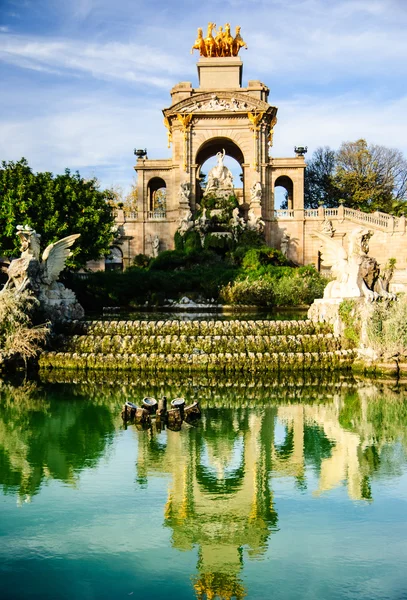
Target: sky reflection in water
285,489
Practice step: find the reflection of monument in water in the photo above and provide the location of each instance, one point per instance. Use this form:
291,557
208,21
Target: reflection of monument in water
220,498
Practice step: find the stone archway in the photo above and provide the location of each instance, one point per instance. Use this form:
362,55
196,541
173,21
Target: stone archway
157,196
287,183
210,148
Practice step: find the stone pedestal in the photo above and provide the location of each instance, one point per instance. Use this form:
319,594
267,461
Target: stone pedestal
326,310
220,73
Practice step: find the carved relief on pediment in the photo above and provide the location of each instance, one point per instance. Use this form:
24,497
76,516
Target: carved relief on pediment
218,102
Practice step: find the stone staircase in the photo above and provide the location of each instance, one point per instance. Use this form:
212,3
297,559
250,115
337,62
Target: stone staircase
222,346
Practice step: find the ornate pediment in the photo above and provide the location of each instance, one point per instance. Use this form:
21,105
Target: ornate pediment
220,102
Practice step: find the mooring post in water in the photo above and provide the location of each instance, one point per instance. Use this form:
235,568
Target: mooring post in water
142,415
192,412
161,412
174,419
128,411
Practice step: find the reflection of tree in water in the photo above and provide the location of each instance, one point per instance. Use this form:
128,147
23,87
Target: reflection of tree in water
42,435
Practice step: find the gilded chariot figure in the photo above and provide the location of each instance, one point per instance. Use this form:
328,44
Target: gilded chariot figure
223,44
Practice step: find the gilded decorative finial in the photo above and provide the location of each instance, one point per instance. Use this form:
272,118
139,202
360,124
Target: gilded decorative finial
223,44
255,118
169,131
184,120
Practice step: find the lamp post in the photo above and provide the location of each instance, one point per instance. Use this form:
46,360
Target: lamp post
300,150
140,153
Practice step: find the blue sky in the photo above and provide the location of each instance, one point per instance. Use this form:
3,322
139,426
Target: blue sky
83,82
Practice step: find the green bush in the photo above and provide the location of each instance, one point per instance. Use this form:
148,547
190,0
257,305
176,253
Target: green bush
258,257
18,337
218,243
387,327
258,293
276,286
141,260
192,241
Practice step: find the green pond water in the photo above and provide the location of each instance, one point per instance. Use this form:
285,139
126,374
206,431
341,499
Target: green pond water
290,488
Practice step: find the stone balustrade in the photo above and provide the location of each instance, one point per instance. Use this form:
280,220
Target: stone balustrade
378,220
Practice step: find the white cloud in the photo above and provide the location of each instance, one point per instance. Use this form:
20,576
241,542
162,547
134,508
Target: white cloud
110,69
130,62
313,122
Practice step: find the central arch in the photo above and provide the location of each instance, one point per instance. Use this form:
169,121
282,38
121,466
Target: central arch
217,144
209,149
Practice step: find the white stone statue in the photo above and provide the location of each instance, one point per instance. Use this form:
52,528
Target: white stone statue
356,274
155,245
28,272
255,193
185,223
185,192
328,228
237,223
254,223
285,242
202,222
219,178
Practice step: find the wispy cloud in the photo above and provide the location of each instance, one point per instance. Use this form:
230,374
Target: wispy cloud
93,75
115,60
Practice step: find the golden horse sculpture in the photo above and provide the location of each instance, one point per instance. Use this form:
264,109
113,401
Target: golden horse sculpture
210,43
224,44
199,43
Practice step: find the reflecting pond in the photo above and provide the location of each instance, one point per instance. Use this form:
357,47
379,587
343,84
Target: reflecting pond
291,488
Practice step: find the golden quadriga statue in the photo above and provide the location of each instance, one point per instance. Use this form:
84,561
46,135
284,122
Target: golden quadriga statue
223,44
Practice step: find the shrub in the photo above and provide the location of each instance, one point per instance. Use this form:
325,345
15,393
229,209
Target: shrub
387,327
218,243
192,241
258,293
18,337
276,286
141,260
257,257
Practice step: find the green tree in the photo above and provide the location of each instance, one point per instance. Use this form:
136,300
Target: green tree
361,180
364,176
319,182
56,206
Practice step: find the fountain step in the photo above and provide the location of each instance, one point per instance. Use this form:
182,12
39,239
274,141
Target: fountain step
235,362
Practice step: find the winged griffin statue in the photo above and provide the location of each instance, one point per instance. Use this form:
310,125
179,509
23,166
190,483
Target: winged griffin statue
41,276
355,273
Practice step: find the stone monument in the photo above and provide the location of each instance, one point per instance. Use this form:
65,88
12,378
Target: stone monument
57,302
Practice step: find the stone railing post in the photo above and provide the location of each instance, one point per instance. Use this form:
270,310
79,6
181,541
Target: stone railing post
341,212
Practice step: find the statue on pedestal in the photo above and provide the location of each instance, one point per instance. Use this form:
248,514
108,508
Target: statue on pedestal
155,245
356,274
220,179
256,193
254,223
28,272
185,223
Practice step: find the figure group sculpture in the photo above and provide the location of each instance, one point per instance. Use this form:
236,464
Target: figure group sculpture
41,276
356,274
223,44
219,177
